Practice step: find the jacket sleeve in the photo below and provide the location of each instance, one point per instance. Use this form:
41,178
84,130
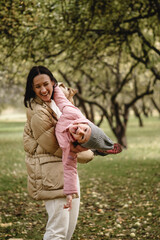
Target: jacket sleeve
85,156
60,99
69,164
43,130
70,172
30,144
65,106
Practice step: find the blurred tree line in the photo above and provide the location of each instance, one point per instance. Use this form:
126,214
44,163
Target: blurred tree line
108,50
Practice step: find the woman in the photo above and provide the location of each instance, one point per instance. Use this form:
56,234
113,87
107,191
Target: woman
44,156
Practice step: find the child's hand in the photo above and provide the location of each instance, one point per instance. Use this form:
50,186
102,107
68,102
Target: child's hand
69,202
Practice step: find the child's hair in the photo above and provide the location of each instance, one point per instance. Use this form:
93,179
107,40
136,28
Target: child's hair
98,139
35,71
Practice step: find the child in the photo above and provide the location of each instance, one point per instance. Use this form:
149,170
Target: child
74,127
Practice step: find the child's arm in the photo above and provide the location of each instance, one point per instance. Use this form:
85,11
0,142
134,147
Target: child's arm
60,99
70,177
65,106
70,171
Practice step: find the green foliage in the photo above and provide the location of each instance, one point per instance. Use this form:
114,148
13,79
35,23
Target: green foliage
108,50
119,194
38,30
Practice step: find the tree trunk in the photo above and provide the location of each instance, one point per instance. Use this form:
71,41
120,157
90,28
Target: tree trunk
144,109
121,125
121,137
123,141
155,105
137,114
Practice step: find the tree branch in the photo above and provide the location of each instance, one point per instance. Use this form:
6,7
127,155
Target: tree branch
147,92
147,42
49,56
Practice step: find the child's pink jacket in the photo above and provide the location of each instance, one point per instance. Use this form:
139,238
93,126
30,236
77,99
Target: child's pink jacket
70,115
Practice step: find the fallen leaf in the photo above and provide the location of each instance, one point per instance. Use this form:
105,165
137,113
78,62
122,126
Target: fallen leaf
5,224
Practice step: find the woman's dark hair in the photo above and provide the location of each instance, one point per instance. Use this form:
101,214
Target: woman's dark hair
29,93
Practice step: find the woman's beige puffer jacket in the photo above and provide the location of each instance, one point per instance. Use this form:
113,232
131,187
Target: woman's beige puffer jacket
43,154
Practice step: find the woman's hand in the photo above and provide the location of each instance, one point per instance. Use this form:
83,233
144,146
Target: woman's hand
77,149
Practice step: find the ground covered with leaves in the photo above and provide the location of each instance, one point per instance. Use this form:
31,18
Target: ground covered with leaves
120,195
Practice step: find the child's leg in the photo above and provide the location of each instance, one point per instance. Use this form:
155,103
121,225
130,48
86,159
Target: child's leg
117,149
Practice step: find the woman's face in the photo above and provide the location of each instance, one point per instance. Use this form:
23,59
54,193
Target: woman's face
43,87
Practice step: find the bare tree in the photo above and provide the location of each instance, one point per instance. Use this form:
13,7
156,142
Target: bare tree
113,94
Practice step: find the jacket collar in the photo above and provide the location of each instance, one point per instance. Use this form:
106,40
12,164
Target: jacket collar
46,106
38,100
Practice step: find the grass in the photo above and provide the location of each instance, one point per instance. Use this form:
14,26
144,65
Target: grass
119,194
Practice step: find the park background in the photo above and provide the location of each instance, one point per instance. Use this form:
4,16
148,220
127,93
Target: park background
109,51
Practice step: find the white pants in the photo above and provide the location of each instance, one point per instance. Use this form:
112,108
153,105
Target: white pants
61,222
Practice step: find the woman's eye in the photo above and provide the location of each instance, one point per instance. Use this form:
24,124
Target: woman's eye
85,130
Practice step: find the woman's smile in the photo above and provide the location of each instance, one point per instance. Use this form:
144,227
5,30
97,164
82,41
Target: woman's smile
43,87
